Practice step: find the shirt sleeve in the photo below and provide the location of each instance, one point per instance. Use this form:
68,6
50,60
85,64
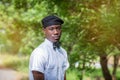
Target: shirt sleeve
66,57
38,60
67,63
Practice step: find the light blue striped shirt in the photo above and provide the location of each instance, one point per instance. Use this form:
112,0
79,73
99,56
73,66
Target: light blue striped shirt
52,63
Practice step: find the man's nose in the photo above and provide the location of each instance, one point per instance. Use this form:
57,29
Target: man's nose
55,31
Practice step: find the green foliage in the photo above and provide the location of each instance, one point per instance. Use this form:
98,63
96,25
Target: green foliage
72,75
31,41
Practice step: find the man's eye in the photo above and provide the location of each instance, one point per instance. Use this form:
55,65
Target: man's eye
59,28
50,28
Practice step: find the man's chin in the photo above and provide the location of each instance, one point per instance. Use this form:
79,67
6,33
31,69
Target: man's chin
55,40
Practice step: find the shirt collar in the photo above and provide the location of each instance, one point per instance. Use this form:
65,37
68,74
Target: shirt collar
48,42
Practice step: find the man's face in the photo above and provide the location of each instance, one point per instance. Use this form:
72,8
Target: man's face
53,32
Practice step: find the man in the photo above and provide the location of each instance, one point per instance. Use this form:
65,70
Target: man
49,60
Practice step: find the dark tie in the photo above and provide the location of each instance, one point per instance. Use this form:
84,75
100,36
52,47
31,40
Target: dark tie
56,45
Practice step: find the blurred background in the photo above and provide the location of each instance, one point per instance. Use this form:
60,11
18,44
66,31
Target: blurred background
91,36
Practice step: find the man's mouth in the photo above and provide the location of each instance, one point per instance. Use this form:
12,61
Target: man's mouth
56,37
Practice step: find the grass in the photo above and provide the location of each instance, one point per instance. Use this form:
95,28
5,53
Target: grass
94,75
19,63
118,73
75,75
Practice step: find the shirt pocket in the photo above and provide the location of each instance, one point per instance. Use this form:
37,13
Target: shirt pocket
50,68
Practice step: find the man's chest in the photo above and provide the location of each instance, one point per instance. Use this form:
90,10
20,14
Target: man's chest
55,59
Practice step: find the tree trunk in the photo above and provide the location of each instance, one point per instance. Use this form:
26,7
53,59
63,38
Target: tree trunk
115,65
105,70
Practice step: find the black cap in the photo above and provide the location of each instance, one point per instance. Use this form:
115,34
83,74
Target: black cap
51,20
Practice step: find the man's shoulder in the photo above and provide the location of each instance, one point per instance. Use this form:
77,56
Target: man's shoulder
39,48
63,48
41,45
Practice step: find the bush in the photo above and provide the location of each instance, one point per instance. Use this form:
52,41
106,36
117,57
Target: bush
72,75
